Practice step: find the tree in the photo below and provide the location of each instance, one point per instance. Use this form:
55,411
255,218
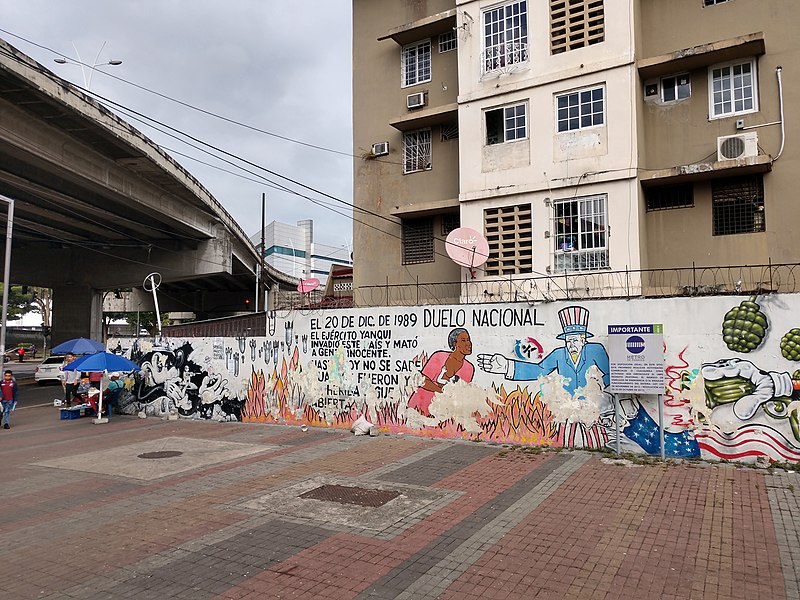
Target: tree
22,300
146,320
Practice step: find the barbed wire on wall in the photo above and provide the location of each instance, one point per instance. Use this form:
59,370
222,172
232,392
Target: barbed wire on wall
627,284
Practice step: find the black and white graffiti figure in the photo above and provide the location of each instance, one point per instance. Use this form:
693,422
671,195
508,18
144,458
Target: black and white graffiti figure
281,348
228,356
241,340
271,322
289,326
236,364
305,343
275,354
253,345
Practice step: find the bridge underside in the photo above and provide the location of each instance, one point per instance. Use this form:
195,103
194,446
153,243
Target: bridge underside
97,206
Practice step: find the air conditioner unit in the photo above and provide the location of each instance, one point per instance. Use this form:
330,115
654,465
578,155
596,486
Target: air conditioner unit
735,147
415,100
380,149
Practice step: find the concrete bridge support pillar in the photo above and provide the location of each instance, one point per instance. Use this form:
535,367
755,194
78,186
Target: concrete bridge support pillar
77,312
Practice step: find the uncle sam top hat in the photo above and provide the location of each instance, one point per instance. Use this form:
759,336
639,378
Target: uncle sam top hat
574,319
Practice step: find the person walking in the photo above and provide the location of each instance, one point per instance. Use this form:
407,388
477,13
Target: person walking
8,393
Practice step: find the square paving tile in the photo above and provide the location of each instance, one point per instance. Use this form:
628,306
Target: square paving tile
154,459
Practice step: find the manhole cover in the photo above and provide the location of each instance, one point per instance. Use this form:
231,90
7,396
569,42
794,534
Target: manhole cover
351,495
161,454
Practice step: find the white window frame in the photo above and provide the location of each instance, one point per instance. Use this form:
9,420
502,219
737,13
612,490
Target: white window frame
505,36
417,151
581,107
707,3
676,87
448,41
585,241
514,123
415,63
730,79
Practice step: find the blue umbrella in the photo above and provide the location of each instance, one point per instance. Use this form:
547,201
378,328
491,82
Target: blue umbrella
101,361
78,346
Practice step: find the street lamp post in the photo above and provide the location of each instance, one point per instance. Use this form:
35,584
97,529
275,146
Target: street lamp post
87,81
6,283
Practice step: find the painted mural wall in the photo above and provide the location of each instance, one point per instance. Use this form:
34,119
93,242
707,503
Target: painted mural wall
509,373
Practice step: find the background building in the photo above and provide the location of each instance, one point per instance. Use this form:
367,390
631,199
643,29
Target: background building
589,141
291,249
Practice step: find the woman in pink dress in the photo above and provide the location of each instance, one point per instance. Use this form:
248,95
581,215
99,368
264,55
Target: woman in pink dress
442,367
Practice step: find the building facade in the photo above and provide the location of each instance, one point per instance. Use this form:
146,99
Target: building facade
580,137
291,249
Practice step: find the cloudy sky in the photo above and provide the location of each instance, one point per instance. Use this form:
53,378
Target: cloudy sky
267,64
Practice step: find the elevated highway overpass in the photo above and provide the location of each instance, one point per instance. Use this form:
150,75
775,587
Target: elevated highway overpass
99,206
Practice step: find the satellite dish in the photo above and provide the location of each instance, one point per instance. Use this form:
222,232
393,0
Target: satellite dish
467,248
308,285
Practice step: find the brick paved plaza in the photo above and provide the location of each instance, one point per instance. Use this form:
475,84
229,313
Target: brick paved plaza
194,510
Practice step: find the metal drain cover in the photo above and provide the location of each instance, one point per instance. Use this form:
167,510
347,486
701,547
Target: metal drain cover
351,495
161,454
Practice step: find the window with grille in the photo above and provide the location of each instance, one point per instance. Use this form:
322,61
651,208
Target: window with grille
417,151
450,131
580,233
509,230
663,197
575,24
505,36
506,124
447,41
450,222
416,67
676,87
738,205
581,109
732,89
417,241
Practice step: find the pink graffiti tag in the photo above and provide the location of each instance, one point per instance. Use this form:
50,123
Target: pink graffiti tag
677,380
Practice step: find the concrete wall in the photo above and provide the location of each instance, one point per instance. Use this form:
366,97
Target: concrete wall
728,398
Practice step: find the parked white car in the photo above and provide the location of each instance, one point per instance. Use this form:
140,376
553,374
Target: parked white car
49,370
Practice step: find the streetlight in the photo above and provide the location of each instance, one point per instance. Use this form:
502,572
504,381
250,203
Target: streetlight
87,82
6,284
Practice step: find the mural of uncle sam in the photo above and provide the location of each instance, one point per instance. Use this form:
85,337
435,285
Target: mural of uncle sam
572,360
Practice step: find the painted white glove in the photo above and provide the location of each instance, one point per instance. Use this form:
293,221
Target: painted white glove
769,384
494,363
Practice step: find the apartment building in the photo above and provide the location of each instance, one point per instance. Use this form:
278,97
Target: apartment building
580,137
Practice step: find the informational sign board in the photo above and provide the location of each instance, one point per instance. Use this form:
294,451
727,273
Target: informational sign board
636,358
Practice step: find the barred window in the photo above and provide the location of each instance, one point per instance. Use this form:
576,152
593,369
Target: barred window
575,24
417,151
581,234
450,131
506,124
447,41
738,205
581,109
509,230
450,222
416,63
417,241
663,197
505,36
